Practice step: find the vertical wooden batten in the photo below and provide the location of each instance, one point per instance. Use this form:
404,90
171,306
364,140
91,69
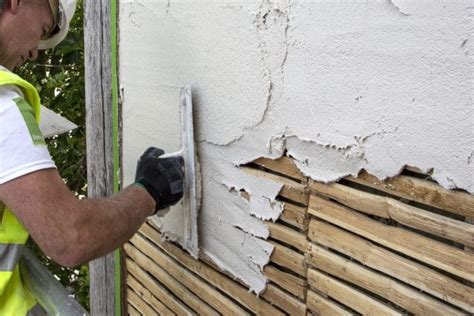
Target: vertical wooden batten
101,175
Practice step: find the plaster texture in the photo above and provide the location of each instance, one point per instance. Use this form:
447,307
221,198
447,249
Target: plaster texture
339,86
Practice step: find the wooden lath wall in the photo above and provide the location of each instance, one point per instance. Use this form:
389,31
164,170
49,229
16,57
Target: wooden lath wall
358,246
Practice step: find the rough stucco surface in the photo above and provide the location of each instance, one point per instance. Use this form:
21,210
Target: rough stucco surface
337,85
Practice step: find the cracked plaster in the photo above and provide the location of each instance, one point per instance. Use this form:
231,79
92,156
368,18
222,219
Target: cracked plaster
339,86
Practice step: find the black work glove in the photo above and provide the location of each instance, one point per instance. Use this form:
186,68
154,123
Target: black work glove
163,178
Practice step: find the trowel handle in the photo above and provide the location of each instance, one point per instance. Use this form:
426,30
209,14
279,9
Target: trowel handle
173,154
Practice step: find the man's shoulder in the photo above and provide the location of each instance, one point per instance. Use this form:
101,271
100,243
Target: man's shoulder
8,95
9,92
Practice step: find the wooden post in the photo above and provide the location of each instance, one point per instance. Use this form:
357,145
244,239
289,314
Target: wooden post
99,122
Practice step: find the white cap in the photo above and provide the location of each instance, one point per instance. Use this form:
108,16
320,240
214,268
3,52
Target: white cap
66,12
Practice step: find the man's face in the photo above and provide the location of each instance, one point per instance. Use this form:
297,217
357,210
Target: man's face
22,25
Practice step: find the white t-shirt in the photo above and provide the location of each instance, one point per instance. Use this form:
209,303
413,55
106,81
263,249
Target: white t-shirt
22,148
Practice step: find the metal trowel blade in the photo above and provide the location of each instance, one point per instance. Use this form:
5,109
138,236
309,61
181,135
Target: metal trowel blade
192,177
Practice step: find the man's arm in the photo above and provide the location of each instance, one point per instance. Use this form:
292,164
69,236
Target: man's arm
69,230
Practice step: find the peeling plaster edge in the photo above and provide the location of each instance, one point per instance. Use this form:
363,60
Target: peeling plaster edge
261,286
246,231
431,171
398,7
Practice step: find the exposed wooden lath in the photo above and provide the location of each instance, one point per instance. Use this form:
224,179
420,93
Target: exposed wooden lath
359,246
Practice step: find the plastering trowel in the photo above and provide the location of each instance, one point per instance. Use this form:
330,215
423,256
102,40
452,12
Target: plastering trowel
192,176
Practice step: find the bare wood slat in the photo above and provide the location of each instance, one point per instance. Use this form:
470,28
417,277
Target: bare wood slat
281,299
146,295
414,245
219,280
294,215
405,214
288,236
347,295
283,165
197,285
323,306
170,282
378,258
469,220
140,305
291,190
422,191
158,291
418,170
400,294
289,282
374,274
288,258
132,311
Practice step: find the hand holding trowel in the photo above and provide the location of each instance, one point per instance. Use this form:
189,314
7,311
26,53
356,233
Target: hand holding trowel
177,176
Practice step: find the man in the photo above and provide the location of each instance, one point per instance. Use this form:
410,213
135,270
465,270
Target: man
33,198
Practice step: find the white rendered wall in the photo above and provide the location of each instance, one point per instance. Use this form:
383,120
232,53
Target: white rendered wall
340,85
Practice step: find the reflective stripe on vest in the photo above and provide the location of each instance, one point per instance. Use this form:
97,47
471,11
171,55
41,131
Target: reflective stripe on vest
14,297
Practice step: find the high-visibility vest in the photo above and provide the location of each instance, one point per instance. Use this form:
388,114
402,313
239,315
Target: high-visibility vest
15,299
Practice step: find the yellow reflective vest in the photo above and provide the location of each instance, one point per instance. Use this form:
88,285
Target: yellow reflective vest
14,297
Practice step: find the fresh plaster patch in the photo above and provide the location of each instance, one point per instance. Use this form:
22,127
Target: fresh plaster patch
338,85
227,52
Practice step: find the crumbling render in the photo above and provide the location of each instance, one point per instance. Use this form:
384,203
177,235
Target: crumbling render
337,86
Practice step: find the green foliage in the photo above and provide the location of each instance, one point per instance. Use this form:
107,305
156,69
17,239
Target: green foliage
58,74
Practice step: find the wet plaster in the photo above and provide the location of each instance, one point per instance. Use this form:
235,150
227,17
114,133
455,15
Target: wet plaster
338,86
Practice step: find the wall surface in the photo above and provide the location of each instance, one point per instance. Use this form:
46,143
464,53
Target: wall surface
339,86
